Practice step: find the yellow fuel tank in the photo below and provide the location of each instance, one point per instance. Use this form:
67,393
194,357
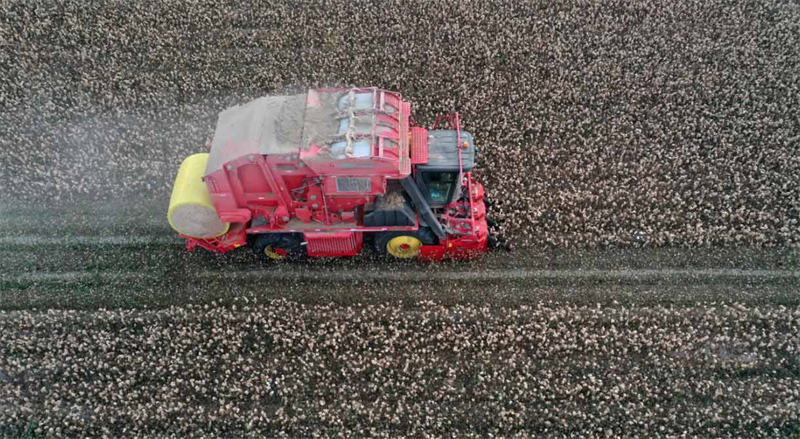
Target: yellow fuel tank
191,211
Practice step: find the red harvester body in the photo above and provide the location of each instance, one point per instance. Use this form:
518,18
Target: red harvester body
311,174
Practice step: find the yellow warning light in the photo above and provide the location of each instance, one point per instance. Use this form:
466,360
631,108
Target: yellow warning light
449,244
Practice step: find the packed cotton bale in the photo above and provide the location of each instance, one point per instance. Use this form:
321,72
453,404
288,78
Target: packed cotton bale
191,211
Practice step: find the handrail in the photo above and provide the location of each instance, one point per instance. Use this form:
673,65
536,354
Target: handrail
458,143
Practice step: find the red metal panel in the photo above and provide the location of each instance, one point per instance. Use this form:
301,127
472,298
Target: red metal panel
236,237
431,253
316,227
402,150
419,146
333,243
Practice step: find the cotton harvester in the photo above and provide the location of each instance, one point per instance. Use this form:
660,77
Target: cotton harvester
319,173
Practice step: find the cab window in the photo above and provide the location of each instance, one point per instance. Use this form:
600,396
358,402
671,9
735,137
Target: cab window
440,185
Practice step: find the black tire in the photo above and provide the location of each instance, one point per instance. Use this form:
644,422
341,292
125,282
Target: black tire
424,234
290,244
492,242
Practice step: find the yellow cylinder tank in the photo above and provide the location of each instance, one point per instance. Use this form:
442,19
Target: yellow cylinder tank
191,211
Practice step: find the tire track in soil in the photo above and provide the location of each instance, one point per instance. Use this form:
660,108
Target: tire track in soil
345,275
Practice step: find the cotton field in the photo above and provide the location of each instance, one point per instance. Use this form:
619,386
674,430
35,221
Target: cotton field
644,155
281,369
599,123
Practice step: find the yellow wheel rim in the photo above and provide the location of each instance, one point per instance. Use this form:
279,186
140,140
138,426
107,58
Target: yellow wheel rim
404,247
274,253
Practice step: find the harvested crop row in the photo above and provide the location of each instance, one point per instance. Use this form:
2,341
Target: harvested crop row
652,122
285,369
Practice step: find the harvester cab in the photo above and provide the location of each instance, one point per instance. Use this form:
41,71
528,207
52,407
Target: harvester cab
314,174
451,153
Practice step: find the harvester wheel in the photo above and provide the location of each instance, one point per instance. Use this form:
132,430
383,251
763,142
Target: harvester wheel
403,245
280,247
